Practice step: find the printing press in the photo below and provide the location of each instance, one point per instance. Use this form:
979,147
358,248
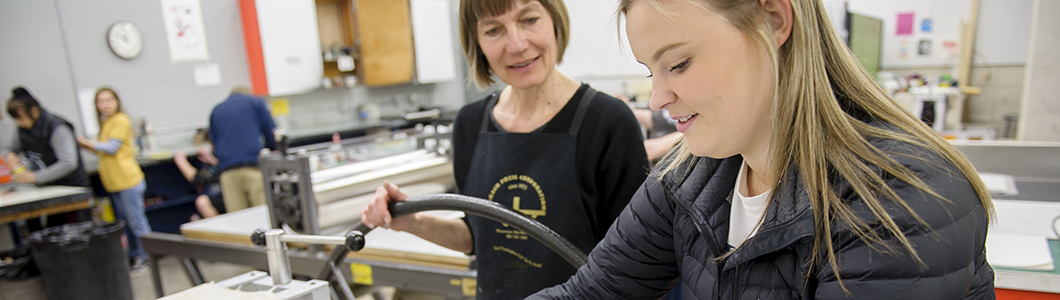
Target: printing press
314,197
317,187
319,190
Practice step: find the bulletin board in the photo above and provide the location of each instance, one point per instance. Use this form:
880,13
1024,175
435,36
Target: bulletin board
927,33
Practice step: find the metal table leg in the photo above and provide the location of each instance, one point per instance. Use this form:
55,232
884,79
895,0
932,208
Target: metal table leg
156,276
192,270
340,283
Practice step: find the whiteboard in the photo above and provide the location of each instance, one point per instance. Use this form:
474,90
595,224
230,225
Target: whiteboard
595,50
1002,34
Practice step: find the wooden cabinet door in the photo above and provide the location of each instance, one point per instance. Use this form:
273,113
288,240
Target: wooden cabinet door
386,41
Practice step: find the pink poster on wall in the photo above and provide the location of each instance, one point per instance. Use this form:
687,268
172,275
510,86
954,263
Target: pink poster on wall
905,24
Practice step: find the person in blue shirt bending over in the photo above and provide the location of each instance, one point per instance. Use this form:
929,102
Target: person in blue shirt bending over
238,127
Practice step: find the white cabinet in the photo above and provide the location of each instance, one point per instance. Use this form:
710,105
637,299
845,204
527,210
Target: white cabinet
433,40
283,46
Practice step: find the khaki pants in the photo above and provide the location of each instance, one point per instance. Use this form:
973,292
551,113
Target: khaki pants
242,188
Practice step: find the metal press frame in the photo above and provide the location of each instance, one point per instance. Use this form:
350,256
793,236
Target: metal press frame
288,186
453,284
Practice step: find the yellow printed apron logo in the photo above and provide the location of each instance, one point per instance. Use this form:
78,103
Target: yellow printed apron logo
517,255
516,187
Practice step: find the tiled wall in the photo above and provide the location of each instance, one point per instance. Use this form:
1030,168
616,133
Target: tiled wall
340,106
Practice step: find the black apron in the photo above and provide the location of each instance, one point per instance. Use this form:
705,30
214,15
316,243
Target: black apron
535,174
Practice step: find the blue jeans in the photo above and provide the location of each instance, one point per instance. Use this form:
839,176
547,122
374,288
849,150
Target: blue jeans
129,206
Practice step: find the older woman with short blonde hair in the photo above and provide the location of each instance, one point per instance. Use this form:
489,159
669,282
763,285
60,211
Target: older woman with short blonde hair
545,145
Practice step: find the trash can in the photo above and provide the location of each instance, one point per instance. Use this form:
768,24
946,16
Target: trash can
82,261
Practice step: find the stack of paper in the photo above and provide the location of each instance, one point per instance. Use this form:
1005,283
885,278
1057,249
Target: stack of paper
999,184
1019,252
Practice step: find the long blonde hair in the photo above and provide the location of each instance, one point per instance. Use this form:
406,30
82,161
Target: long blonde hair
820,91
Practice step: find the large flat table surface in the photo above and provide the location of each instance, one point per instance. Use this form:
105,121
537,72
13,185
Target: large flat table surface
1031,218
28,201
380,244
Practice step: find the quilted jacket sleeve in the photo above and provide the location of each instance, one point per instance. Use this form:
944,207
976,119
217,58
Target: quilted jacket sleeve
950,242
636,258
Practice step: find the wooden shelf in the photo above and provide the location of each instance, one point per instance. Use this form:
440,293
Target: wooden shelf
378,31
331,69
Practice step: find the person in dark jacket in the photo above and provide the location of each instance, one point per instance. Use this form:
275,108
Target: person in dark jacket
46,141
797,177
44,153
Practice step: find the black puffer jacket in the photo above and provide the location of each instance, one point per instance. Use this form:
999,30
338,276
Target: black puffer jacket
674,228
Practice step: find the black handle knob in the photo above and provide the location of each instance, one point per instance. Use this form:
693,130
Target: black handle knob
258,237
354,240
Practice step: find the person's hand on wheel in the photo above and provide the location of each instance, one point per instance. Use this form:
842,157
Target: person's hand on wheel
376,214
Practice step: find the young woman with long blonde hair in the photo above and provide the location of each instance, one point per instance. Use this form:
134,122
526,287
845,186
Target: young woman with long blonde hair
797,178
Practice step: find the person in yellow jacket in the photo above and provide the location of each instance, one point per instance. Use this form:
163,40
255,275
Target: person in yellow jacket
119,171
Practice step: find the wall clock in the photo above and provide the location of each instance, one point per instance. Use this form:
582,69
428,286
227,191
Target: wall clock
125,40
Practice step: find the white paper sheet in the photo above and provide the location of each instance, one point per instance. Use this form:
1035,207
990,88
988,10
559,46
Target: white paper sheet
1020,217
185,30
86,102
1028,252
207,75
999,183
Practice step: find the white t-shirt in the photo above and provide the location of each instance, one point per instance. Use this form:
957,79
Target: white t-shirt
746,212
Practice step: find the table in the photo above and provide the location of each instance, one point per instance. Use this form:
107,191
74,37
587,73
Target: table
1027,280
1027,217
390,258
26,201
